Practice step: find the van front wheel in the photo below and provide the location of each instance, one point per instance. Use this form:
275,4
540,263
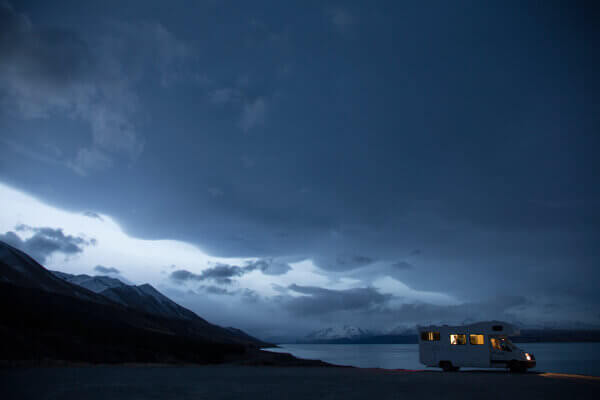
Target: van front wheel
447,366
517,367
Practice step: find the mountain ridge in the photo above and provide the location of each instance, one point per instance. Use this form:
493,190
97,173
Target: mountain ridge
338,332
143,297
46,317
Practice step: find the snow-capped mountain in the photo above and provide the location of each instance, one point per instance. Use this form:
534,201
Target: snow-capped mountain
94,283
142,297
338,332
146,298
354,335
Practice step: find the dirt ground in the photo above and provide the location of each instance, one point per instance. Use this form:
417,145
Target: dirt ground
265,382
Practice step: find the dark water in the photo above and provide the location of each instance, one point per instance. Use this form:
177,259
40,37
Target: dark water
572,358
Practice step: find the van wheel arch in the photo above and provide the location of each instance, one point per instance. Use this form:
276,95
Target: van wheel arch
517,367
447,366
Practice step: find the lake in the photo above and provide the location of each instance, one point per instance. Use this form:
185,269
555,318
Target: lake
572,358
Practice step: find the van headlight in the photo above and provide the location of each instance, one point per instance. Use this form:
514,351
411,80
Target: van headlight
528,356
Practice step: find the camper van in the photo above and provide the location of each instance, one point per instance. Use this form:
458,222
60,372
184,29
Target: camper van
480,345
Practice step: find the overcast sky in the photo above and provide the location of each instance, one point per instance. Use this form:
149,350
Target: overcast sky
288,166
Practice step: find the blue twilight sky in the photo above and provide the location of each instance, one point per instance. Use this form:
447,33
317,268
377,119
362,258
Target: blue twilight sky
378,164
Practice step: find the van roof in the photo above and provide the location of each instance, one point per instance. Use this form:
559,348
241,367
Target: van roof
485,327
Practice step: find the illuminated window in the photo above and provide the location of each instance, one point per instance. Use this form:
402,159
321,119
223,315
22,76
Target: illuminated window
430,336
476,339
495,344
502,344
458,339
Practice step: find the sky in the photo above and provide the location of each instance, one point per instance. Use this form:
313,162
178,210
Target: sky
283,167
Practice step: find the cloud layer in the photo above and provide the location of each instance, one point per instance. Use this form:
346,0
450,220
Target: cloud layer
223,273
106,270
53,72
45,241
318,300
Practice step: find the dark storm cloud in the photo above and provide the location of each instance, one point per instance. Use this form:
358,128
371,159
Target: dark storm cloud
268,267
343,262
182,275
92,214
402,265
46,241
53,71
216,290
318,300
222,273
13,239
106,270
40,53
244,293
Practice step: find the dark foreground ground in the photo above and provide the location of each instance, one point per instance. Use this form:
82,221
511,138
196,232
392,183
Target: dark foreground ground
263,382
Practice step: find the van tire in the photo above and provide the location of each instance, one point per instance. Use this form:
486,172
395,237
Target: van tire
516,367
447,366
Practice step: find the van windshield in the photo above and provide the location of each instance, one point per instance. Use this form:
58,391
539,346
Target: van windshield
502,343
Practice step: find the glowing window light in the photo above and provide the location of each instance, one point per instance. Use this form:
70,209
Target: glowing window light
476,340
430,336
458,339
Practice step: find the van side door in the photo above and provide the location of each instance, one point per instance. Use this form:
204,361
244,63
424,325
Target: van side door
478,351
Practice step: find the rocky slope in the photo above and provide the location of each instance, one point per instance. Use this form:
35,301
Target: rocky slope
47,317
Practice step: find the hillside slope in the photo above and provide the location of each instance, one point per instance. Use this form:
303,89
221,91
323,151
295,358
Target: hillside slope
44,316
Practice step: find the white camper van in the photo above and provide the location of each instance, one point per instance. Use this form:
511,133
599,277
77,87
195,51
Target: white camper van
481,345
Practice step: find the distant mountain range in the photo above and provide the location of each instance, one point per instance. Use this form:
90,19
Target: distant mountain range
353,335
141,297
53,315
344,332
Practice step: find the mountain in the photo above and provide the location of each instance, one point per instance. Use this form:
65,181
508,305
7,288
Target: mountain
142,297
19,269
353,335
147,299
94,283
408,335
47,317
240,333
337,333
